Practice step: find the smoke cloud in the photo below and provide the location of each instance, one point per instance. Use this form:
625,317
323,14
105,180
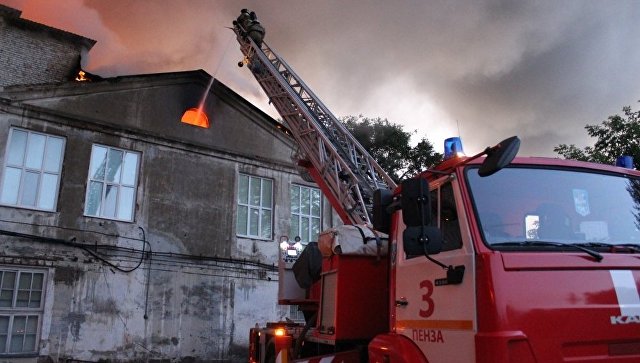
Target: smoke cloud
485,69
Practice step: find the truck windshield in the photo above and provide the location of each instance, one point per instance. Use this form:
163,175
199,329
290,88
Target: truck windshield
528,204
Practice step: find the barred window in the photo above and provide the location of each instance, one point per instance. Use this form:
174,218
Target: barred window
21,307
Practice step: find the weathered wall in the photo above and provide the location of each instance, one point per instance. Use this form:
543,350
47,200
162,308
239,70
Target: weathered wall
190,314
188,175
202,288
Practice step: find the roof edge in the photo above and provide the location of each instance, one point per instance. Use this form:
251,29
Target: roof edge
14,16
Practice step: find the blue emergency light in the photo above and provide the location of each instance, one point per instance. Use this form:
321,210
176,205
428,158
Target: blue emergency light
453,147
625,161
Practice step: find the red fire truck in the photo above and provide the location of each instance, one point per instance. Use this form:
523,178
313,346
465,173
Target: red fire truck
488,258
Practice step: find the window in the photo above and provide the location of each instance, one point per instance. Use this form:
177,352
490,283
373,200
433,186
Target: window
195,117
111,188
33,162
21,307
535,203
296,314
306,209
254,207
448,218
444,215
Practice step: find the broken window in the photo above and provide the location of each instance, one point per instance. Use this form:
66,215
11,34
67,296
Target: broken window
33,162
111,186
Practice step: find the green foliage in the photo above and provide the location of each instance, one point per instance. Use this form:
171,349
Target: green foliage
422,156
390,146
616,136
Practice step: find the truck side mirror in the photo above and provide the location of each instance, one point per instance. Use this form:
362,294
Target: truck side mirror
423,240
415,202
499,156
382,198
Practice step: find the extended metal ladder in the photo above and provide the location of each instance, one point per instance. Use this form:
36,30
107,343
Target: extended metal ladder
342,168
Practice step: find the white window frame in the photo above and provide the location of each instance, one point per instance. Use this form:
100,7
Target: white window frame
14,311
41,170
301,215
119,184
262,208
296,314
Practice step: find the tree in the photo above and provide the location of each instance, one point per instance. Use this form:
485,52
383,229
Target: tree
389,145
422,157
616,136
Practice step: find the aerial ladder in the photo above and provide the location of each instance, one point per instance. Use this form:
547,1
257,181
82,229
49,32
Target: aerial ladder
336,161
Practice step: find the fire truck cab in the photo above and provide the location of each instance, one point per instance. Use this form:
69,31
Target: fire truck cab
540,262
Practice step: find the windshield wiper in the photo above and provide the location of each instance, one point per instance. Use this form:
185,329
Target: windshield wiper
596,256
632,247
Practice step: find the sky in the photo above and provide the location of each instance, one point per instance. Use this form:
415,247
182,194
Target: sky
480,69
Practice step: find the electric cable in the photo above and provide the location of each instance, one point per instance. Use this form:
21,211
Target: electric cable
163,256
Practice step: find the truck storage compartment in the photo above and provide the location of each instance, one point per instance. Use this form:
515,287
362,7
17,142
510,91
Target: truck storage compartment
354,303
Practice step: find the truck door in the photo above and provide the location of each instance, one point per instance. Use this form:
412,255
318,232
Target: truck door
438,317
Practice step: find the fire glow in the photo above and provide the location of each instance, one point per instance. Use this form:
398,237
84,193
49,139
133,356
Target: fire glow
195,116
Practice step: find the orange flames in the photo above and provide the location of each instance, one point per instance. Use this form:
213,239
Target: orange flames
82,76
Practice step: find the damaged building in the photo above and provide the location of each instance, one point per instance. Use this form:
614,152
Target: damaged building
129,232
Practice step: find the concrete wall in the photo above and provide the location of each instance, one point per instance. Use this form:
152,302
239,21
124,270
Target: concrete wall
193,311
201,288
